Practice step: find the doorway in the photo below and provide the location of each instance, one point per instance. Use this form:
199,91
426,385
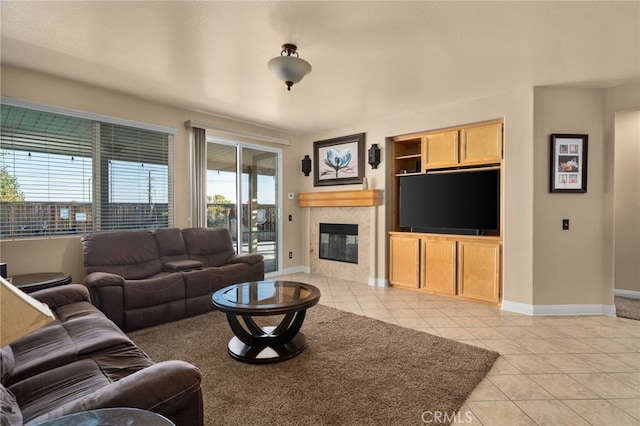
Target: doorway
243,195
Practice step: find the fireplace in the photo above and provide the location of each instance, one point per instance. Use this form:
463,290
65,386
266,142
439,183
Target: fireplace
339,242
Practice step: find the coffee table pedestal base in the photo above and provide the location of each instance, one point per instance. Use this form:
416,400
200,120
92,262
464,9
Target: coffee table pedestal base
267,354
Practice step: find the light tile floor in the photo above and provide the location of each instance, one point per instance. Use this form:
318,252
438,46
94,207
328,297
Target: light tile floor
560,371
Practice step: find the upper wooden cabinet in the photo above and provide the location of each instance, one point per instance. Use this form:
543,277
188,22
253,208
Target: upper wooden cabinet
478,144
481,144
440,149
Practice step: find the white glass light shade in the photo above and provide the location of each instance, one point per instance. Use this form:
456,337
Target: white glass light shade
289,69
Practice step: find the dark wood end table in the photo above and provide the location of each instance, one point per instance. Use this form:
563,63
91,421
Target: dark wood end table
266,344
38,281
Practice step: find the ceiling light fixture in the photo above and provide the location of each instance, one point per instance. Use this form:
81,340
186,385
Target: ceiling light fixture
288,67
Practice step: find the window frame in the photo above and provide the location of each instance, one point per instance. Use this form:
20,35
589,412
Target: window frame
100,119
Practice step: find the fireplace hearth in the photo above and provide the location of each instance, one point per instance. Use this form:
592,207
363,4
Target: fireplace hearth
339,242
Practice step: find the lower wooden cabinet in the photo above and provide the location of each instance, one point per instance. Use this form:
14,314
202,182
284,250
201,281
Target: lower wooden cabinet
404,266
468,267
438,266
479,270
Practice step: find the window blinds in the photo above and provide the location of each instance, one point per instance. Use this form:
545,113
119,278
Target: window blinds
63,175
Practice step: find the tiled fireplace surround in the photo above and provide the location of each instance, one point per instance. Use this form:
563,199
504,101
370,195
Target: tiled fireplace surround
349,207
361,216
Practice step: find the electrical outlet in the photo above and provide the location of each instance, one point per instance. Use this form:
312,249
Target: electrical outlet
290,255
565,224
290,217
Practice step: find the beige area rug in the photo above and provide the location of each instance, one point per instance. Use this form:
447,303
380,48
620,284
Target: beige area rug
354,371
627,308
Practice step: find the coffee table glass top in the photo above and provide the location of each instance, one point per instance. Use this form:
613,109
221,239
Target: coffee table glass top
266,296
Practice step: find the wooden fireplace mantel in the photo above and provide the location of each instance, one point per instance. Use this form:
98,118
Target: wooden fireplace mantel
353,198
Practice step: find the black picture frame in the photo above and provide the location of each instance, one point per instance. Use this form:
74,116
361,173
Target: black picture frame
568,163
339,161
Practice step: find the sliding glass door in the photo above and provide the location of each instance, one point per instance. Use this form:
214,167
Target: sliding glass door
242,194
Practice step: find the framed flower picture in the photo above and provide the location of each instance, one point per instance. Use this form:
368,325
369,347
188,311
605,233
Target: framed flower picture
339,161
568,163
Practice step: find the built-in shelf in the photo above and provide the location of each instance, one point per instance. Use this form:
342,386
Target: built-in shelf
353,198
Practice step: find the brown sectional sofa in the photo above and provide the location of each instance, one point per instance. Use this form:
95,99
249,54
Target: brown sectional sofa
144,278
82,361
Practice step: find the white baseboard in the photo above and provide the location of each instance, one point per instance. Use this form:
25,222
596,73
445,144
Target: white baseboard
627,293
560,310
378,282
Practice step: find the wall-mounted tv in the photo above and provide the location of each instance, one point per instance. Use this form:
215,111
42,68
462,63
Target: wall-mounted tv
460,202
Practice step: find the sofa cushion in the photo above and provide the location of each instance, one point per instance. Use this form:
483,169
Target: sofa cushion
154,291
130,254
232,273
10,413
6,363
211,246
61,343
170,244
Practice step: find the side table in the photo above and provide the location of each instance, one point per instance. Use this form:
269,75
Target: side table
38,281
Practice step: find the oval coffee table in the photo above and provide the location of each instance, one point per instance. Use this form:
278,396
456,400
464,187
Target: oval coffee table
266,344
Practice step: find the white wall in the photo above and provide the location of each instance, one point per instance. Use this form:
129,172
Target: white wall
627,202
533,240
571,266
65,253
517,110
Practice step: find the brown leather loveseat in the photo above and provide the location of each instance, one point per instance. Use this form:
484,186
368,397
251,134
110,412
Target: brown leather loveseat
82,361
144,278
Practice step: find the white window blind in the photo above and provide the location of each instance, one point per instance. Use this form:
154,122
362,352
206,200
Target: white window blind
61,174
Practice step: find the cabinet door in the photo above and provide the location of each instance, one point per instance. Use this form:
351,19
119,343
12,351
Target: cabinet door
404,267
482,144
438,266
440,150
479,270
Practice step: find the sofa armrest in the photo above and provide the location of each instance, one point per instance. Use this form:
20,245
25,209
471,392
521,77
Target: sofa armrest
106,291
182,265
62,295
101,279
170,388
248,258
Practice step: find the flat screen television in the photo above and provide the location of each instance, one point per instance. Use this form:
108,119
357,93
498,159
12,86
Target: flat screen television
460,202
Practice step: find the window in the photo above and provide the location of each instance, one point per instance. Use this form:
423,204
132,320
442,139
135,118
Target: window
64,174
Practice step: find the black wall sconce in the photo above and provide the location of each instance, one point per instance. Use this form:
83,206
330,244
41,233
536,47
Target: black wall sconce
374,156
306,165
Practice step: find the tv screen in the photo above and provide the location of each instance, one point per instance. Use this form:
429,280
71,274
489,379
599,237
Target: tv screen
466,202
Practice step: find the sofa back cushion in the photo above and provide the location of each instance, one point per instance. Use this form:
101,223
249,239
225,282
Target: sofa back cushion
130,254
170,244
211,246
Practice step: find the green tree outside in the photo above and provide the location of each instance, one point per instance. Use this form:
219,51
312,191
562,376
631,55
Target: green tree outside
9,186
218,214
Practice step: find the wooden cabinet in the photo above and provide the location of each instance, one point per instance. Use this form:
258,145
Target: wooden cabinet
478,144
440,150
479,270
404,265
464,266
481,144
407,154
438,265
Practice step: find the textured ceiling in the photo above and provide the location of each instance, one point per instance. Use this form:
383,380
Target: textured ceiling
369,59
